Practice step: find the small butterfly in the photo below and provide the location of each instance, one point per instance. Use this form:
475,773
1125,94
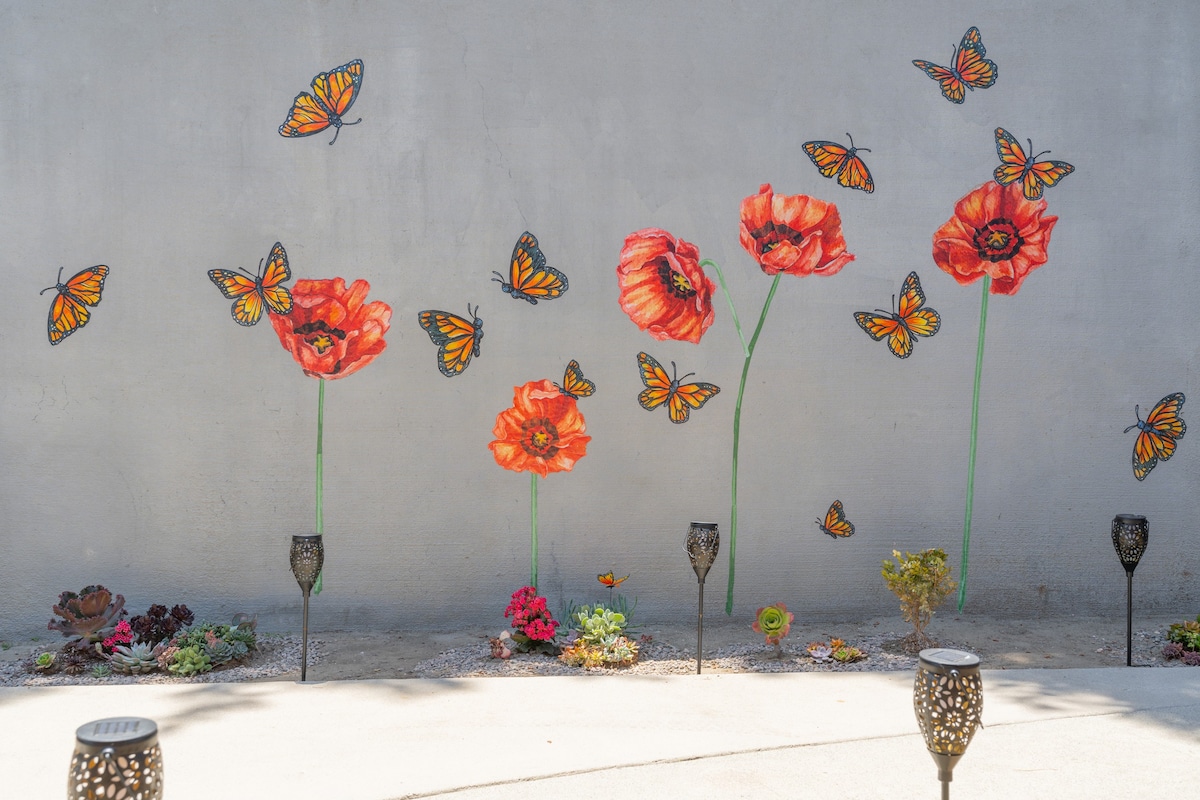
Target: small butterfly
903,327
457,338
333,94
529,277
251,292
680,398
833,159
1015,165
574,384
68,312
836,524
970,71
1157,435
608,580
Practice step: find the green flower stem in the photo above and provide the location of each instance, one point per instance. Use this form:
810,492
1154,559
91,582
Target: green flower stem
737,428
966,545
729,299
320,474
533,529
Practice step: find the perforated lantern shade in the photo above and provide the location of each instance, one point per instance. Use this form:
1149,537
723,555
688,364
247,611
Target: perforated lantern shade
1130,533
307,557
948,701
703,543
117,757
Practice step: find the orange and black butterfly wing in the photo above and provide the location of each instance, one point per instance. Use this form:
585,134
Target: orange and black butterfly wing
855,175
305,118
953,89
244,291
274,293
608,580
919,320
970,65
574,384
1157,435
529,277
687,396
881,324
836,524
1042,174
658,384
457,338
68,309
829,157
1013,160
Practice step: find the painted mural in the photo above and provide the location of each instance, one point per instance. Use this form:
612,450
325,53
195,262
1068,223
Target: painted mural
994,237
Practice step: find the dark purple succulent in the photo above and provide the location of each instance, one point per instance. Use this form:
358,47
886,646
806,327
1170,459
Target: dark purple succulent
1172,650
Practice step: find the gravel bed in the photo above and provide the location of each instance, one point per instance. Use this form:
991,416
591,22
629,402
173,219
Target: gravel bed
662,659
275,656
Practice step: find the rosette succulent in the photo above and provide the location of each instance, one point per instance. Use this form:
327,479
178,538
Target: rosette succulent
774,622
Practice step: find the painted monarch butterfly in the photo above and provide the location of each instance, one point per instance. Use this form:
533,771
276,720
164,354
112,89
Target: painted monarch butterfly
574,384
608,580
970,71
68,311
333,94
1034,175
529,277
457,338
1157,435
836,524
250,292
902,328
833,159
680,398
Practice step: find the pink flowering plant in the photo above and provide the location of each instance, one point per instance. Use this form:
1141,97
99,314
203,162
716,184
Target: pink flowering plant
122,634
535,628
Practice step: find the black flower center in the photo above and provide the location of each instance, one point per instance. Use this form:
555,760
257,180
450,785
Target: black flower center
676,283
998,240
773,234
539,437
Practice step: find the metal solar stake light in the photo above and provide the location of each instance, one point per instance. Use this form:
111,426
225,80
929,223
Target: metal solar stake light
308,556
703,542
948,699
1129,536
116,757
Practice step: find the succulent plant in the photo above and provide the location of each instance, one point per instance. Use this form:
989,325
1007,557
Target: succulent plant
774,622
218,651
1186,633
74,662
1191,658
819,651
847,654
101,670
135,659
599,639
158,624
1172,650
43,662
189,660
86,613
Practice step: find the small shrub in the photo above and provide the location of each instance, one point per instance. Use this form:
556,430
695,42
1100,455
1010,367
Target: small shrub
160,625
1186,634
922,582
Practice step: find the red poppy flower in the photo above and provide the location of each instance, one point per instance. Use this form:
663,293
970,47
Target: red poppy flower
796,234
331,332
997,232
543,432
663,288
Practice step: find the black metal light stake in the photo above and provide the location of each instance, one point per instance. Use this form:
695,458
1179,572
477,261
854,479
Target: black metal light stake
948,700
307,556
1129,536
703,542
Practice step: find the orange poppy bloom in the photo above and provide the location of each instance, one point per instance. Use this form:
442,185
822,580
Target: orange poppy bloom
331,332
796,234
663,288
543,432
997,232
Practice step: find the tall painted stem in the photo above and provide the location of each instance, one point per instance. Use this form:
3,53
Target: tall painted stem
533,565
966,544
320,474
737,428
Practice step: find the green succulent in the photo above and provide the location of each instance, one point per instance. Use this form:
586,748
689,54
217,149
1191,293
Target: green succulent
189,660
774,622
136,659
600,639
45,662
1186,633
101,671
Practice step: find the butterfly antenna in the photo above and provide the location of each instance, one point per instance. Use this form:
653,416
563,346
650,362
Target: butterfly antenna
57,281
1137,412
498,277
852,147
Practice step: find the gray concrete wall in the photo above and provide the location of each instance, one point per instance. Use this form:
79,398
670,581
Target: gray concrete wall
168,453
